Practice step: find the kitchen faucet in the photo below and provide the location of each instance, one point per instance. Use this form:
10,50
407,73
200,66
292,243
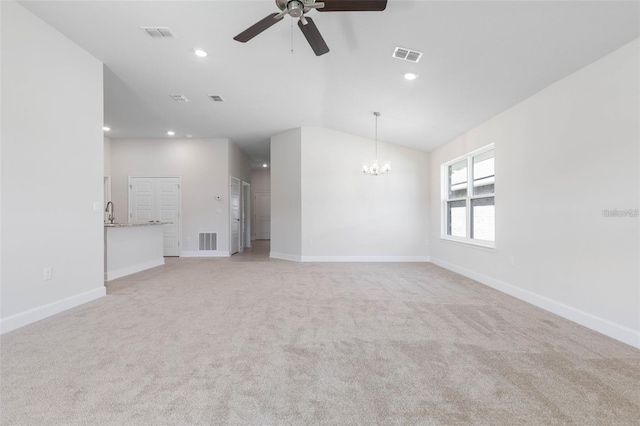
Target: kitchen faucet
112,216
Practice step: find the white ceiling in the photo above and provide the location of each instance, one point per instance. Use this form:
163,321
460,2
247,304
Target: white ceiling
480,58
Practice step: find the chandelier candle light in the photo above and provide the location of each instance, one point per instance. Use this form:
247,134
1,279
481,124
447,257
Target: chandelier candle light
376,167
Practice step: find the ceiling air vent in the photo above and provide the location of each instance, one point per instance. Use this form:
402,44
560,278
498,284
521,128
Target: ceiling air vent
158,32
180,98
407,54
216,98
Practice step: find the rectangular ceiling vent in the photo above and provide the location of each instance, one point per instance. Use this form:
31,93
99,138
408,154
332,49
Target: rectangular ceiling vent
216,98
407,54
180,98
158,32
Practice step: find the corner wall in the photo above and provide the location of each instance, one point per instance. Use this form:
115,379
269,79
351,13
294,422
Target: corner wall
347,216
203,165
52,168
286,196
562,157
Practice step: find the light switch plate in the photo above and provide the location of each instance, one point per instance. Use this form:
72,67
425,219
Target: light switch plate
97,206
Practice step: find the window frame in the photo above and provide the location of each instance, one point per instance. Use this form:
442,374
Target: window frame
468,198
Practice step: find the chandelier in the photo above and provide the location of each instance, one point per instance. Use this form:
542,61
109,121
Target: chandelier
375,167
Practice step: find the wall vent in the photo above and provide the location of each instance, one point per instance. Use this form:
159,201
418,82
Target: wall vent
216,98
158,32
180,98
207,241
407,54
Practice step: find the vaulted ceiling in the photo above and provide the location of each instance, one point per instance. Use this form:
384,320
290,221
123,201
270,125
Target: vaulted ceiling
479,58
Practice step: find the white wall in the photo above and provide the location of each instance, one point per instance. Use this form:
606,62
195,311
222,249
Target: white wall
260,182
324,209
52,168
349,216
286,202
562,156
239,163
203,165
107,156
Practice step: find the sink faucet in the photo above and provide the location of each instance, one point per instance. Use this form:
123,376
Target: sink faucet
112,216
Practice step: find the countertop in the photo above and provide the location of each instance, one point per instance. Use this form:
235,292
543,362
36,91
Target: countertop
129,225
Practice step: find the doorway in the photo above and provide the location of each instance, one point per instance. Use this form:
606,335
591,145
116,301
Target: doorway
262,215
245,228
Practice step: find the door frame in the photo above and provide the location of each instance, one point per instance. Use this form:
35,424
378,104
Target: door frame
231,179
245,205
130,213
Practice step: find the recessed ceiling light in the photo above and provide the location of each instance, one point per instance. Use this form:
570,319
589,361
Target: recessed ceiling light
106,129
171,133
199,52
410,76
264,165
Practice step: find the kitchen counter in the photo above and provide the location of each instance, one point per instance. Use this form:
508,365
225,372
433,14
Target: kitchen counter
132,247
128,225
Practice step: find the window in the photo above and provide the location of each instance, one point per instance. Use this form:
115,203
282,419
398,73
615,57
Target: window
469,210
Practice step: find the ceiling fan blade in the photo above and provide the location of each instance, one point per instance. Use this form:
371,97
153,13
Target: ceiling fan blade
313,36
353,6
257,28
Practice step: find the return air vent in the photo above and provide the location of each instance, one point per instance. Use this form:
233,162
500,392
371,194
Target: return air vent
158,32
216,98
407,54
207,241
180,98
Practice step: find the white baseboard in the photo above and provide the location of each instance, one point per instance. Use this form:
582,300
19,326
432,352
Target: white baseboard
122,272
364,258
615,331
36,314
283,256
205,253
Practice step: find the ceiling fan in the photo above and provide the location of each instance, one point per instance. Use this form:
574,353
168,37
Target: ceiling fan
298,8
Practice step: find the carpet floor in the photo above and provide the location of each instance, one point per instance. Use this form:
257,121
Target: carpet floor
217,341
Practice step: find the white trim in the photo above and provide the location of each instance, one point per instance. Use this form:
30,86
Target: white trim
489,246
615,331
444,197
283,256
364,258
205,253
36,314
123,272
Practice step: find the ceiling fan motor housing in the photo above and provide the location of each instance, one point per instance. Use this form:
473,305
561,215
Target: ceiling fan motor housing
295,8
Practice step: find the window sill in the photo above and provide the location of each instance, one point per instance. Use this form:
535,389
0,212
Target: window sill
487,246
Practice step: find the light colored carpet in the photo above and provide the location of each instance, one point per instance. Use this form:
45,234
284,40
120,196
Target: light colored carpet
216,341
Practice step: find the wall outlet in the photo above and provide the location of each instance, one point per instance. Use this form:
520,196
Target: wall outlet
97,206
310,241
512,261
47,273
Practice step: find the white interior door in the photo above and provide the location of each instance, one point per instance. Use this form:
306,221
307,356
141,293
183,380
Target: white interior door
263,215
157,199
168,205
234,215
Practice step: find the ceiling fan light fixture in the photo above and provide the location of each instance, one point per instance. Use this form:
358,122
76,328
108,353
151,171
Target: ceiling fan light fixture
376,167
